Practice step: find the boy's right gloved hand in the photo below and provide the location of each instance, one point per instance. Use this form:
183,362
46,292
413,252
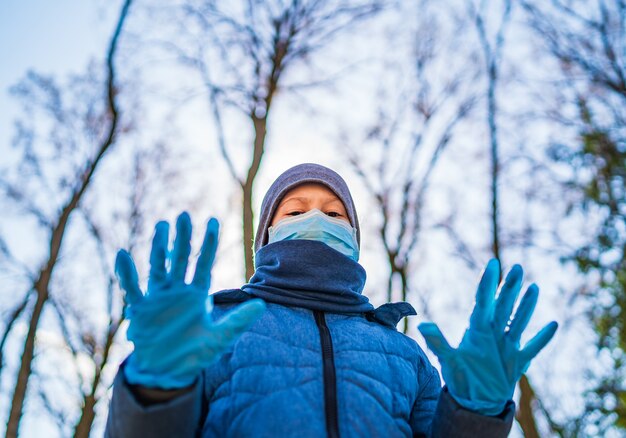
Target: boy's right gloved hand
171,326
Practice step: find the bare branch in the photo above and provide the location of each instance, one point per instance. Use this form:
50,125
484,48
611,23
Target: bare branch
62,319
463,251
13,317
56,413
419,198
10,258
24,202
217,117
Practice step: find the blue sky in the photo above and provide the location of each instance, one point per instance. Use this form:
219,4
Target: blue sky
52,37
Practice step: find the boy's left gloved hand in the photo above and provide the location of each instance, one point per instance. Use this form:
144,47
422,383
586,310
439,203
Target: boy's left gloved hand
482,372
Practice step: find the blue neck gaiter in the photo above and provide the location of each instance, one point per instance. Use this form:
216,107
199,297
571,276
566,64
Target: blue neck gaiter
308,274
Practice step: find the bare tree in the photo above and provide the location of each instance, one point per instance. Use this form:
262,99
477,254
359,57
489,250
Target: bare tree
243,56
492,39
97,342
586,41
76,186
492,57
84,307
407,142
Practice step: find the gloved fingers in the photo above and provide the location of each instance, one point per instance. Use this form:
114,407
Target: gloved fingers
534,346
127,276
523,313
182,248
506,298
435,340
202,276
158,255
483,310
238,320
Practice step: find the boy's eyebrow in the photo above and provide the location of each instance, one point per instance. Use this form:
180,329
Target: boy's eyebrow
306,199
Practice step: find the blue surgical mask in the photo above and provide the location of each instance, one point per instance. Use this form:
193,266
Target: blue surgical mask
315,225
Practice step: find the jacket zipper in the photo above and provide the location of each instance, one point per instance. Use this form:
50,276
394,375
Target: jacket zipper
330,376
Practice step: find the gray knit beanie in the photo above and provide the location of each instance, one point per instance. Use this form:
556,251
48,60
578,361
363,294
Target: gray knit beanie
301,174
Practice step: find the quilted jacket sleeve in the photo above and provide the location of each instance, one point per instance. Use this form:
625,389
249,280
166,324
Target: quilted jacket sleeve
451,419
180,417
426,403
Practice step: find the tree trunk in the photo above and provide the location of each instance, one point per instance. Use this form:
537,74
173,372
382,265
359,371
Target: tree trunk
405,290
17,404
390,287
525,416
87,416
495,164
88,412
528,425
260,130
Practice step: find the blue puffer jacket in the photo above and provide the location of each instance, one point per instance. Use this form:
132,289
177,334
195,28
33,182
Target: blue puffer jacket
275,379
309,370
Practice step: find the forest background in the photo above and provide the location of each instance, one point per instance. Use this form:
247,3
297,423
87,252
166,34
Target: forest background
467,129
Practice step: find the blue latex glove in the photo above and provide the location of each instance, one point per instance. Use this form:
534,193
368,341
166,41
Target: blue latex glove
482,372
171,326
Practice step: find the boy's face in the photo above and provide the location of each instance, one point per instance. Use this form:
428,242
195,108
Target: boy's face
307,197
